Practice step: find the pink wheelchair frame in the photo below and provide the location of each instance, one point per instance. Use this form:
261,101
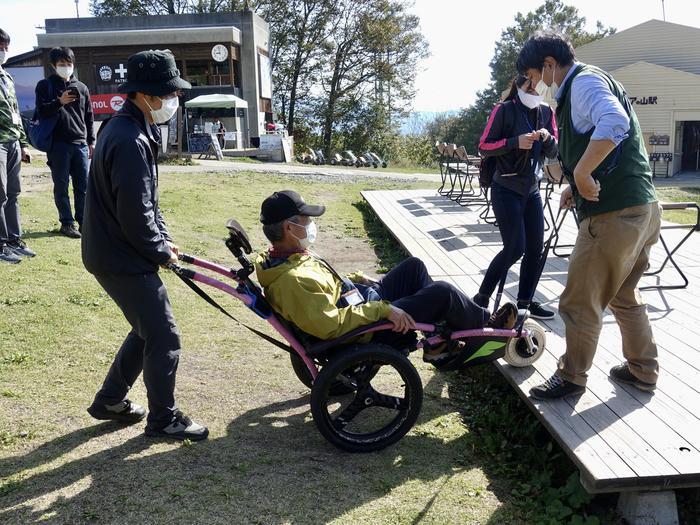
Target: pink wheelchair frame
341,367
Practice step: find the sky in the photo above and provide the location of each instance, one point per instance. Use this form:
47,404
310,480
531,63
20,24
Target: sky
461,35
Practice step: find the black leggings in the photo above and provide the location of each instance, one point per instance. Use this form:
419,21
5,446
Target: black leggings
410,287
522,231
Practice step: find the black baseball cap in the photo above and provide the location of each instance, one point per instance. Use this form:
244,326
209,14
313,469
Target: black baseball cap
284,204
154,73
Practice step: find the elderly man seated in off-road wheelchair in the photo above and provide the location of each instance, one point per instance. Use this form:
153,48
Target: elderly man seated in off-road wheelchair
306,290
349,341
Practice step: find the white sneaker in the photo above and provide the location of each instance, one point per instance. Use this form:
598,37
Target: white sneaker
180,427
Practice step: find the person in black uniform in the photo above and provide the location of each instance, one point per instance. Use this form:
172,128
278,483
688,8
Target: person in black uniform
63,96
125,241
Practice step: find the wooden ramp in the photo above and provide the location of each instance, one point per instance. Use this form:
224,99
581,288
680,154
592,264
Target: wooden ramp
619,437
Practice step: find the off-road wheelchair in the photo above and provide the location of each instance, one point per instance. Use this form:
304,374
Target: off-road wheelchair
364,397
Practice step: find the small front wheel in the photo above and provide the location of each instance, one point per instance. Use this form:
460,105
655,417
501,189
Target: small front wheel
383,406
519,353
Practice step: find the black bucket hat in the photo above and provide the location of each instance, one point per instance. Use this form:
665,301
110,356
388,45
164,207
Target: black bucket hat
282,205
154,73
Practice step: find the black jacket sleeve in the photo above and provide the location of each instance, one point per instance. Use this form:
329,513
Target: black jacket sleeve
89,118
137,213
492,142
160,221
47,106
551,146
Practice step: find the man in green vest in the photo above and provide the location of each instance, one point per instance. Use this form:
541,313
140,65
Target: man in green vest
610,184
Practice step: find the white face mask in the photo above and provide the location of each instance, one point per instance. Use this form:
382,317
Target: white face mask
311,233
167,110
3,57
528,100
64,72
547,93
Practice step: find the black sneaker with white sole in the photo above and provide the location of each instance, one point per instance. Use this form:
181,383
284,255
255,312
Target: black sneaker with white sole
537,311
124,411
555,387
20,248
621,374
180,427
8,255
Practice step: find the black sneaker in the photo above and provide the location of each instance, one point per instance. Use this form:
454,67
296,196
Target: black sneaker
70,230
555,387
482,300
180,427
504,318
20,248
621,374
8,255
537,311
126,412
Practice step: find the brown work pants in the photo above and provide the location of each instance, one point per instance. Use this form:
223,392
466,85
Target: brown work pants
608,260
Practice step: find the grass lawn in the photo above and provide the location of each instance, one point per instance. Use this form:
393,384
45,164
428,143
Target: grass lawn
393,167
408,168
679,195
264,462
476,455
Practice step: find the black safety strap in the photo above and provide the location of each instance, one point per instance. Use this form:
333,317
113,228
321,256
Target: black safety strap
204,295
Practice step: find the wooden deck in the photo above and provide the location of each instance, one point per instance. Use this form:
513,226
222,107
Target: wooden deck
619,437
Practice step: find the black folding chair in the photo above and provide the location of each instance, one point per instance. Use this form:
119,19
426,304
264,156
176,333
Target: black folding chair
469,173
487,214
465,175
451,170
442,163
670,253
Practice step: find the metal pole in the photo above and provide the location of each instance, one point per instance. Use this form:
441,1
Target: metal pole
77,12
663,9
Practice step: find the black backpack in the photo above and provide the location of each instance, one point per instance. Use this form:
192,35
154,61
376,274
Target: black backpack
487,169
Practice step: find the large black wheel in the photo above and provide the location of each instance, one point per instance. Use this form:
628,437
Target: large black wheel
339,388
384,404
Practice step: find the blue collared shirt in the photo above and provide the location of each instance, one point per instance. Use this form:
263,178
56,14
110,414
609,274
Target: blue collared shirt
593,104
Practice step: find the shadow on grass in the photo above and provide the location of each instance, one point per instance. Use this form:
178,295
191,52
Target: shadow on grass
41,235
272,466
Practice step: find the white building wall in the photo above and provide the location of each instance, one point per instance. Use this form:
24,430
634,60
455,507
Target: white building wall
674,91
677,99
657,42
655,59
